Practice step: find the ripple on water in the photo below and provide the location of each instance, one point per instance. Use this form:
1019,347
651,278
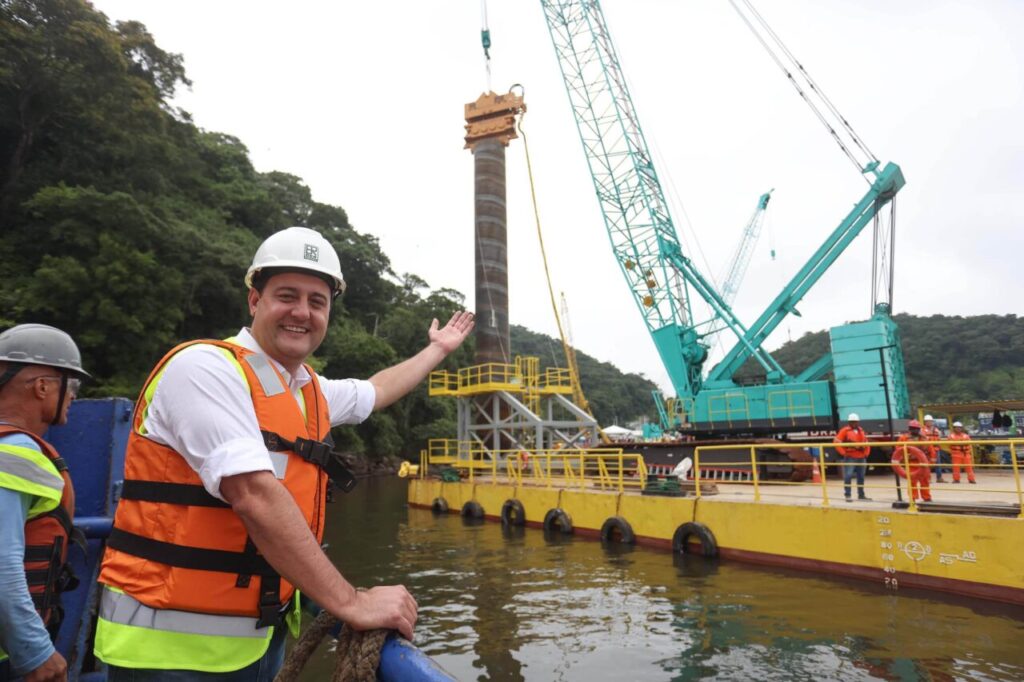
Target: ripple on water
500,605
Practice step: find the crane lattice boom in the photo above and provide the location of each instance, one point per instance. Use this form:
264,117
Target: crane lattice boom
643,236
744,250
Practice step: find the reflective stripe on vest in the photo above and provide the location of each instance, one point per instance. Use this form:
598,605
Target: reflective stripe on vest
269,380
131,635
31,472
123,609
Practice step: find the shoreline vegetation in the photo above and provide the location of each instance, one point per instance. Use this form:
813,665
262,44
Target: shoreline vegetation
130,227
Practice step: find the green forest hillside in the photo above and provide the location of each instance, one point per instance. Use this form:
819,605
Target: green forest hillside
131,228
948,359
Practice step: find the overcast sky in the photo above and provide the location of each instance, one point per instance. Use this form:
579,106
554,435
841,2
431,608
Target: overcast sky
364,101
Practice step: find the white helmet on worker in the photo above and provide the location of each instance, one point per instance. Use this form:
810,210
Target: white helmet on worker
854,417
958,425
929,418
296,249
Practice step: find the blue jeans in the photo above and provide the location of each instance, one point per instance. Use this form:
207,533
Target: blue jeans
854,465
263,670
942,458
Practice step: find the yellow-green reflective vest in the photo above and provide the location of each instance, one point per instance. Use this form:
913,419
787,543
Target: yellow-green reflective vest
27,470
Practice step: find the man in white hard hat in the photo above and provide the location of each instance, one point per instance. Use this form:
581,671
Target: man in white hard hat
854,459
962,452
222,510
40,373
931,432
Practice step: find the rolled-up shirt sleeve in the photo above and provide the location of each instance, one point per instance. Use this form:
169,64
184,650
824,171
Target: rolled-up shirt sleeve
350,400
203,410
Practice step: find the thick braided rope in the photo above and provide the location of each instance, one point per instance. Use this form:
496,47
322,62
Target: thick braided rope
305,647
358,652
358,655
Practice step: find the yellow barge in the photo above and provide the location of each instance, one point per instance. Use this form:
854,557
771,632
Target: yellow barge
970,541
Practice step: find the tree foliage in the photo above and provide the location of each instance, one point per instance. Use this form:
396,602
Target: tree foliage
131,228
948,359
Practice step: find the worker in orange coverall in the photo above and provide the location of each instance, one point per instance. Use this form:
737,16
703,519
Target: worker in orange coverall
931,432
962,454
919,476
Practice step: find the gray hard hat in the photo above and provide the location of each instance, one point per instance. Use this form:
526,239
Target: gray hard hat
41,344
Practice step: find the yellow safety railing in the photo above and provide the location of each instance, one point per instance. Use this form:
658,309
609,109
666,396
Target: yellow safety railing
607,469
490,373
790,408
556,380
524,376
442,450
731,413
750,461
443,382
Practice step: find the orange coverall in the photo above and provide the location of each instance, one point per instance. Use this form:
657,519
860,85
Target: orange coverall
919,477
961,456
931,433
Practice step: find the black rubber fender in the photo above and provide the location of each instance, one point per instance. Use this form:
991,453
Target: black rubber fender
513,514
439,505
557,520
472,510
681,539
617,529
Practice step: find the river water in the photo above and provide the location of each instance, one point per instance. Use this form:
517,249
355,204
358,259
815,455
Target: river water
500,605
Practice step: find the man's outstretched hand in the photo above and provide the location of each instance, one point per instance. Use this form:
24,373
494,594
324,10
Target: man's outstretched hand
451,336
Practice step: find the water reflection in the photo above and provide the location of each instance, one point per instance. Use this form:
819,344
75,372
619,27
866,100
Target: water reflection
511,605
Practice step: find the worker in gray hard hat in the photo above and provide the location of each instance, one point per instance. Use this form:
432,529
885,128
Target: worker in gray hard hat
40,374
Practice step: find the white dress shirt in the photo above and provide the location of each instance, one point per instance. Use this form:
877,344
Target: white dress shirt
203,410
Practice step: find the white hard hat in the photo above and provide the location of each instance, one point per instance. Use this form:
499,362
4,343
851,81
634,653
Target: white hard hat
929,418
298,249
960,424
854,417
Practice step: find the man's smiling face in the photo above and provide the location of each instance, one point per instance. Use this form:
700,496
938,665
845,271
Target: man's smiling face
290,316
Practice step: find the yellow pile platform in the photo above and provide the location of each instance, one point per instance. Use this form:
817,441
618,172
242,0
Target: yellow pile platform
491,377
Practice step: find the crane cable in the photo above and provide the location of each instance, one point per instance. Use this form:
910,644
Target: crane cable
485,41
573,374
862,168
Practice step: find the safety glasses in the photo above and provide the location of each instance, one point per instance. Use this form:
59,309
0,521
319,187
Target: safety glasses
74,383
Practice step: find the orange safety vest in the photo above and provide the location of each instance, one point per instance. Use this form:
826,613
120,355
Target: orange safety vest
932,433
175,546
47,537
959,449
848,434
